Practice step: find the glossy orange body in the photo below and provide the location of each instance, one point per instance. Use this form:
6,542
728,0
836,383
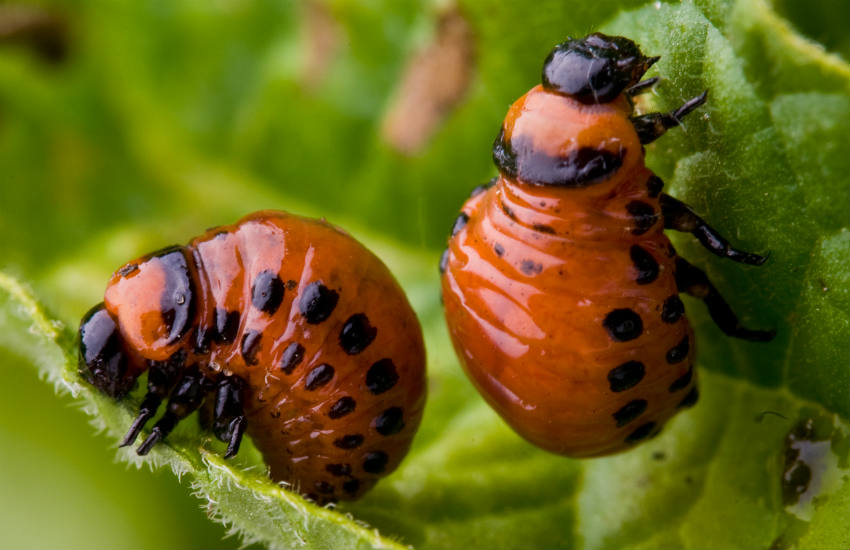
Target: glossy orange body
535,270
291,424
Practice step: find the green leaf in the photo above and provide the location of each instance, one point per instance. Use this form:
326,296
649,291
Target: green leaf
166,119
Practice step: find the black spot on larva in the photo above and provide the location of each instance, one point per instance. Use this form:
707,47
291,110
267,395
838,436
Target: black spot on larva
267,292
381,376
508,212
520,158
626,376
460,223
645,264
250,346
683,381
351,441
351,486
290,284
673,309
203,339
342,407
356,334
654,185
292,357
317,302
529,267
643,216
226,325
543,228
324,487
671,251
641,432
444,261
630,411
623,325
689,400
478,189
319,376
338,470
177,301
275,414
127,269
499,250
375,462
390,421
679,352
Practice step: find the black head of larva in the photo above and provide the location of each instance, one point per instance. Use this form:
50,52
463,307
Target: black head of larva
102,360
594,69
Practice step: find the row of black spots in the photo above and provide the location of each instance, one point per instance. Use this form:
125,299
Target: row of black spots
387,423
645,265
643,216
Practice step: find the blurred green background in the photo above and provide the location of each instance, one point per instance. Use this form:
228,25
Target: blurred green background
126,126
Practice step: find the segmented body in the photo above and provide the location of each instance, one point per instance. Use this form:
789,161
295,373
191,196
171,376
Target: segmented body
561,300
329,350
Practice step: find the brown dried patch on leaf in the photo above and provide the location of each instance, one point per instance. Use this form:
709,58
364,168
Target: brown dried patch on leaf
36,28
320,40
435,80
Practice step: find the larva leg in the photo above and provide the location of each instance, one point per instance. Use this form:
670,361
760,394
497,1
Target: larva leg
694,281
642,86
229,421
652,126
679,216
161,377
186,396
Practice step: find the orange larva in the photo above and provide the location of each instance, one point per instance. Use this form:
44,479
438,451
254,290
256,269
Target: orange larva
288,330
561,291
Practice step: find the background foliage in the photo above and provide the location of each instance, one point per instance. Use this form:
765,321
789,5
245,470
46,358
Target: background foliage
163,118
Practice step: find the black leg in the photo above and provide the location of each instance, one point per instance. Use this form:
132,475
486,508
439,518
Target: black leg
186,397
161,377
694,281
652,126
642,86
229,420
679,216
